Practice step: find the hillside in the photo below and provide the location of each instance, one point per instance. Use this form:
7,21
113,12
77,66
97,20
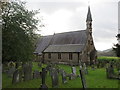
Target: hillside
108,52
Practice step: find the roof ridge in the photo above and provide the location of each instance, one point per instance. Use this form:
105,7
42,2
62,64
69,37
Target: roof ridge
65,32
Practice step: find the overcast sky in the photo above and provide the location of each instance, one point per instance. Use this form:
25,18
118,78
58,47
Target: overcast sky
70,15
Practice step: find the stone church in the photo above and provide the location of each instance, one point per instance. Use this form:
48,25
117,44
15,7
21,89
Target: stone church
68,47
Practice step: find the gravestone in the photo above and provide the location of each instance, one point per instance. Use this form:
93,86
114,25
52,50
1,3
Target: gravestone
74,70
64,77
36,74
71,76
43,75
11,64
82,77
20,75
110,71
51,71
11,71
85,69
16,77
27,69
55,78
92,66
30,69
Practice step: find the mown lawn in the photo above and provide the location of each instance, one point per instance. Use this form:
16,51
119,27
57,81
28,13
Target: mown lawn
94,79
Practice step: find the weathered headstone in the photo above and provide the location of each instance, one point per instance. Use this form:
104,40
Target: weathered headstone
82,78
43,74
74,70
11,71
92,66
110,71
85,69
64,77
16,77
27,69
36,74
50,71
30,70
55,78
71,76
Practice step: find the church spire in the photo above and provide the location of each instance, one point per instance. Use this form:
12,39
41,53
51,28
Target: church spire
89,16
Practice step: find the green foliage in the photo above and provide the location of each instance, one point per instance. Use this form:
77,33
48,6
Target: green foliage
107,58
18,31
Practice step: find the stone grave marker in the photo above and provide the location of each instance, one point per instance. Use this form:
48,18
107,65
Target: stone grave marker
110,71
85,69
82,77
51,71
27,69
36,74
93,67
64,77
16,77
11,71
55,78
71,76
43,75
74,70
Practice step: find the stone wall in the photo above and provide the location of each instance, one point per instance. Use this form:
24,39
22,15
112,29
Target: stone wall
64,58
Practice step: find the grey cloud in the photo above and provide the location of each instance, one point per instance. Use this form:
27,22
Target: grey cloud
51,7
104,17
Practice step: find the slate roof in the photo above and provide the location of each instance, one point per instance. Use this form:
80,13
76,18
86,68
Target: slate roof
65,48
66,38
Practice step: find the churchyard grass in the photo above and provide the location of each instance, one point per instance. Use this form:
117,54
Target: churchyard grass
95,79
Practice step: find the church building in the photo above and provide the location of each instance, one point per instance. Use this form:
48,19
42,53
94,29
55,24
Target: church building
68,47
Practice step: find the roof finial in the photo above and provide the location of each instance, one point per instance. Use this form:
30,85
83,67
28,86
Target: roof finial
89,16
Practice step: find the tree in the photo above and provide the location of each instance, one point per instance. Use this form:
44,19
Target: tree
18,31
116,47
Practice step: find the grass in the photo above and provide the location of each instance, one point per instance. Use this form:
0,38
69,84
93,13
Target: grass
94,79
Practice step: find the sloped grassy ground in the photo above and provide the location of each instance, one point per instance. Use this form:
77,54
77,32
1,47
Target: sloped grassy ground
94,79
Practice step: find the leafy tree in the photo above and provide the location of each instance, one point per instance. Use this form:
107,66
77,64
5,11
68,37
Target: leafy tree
116,47
18,31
